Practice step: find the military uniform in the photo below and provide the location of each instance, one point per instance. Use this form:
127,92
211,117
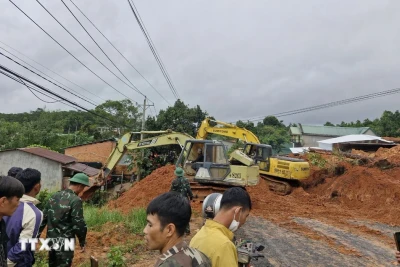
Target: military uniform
181,185
64,218
181,255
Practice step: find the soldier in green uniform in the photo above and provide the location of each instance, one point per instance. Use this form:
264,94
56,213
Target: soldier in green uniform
63,216
181,185
167,217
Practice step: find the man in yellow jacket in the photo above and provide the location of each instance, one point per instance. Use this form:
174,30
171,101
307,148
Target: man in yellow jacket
215,238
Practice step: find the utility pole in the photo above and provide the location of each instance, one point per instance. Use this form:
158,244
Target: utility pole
143,128
144,117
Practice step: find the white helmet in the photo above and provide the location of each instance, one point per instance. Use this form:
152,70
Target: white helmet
211,205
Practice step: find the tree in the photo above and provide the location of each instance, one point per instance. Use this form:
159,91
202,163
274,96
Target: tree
179,118
328,123
124,112
272,121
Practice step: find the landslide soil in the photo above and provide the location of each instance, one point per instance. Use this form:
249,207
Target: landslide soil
358,192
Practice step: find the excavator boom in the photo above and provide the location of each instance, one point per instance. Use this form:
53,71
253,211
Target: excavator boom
228,130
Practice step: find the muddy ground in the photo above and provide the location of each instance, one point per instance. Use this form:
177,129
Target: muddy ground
332,219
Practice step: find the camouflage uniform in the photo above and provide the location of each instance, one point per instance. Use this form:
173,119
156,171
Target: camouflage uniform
181,255
182,185
64,218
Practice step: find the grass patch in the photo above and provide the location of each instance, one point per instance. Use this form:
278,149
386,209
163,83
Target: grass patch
95,217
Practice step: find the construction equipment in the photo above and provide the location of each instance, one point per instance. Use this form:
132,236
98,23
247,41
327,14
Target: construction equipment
214,172
125,144
281,172
216,168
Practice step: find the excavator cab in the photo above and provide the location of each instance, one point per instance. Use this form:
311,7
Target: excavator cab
215,167
261,154
204,159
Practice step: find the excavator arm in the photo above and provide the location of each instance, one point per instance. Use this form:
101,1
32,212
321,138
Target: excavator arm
228,130
126,144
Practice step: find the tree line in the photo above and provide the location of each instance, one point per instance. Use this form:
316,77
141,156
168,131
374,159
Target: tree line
60,129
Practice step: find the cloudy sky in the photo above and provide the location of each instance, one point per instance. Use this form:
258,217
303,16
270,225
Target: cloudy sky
236,59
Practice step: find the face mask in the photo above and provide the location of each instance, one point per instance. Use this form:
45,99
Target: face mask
234,224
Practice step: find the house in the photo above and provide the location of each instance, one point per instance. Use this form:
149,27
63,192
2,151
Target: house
355,141
95,154
55,168
309,135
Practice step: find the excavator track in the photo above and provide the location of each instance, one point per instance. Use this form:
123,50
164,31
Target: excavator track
278,186
201,191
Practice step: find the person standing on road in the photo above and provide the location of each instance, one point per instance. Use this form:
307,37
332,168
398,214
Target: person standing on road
25,222
215,238
63,216
167,217
11,190
181,185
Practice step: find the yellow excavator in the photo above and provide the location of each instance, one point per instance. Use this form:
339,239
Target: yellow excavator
281,172
216,168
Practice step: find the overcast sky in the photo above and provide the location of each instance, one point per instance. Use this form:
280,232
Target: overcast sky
236,59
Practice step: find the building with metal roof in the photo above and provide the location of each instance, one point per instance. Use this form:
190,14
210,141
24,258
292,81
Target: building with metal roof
309,135
56,168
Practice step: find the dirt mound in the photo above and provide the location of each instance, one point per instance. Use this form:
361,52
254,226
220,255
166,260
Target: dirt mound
390,154
141,193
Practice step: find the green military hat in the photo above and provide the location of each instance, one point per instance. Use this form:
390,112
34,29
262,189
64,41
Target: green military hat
80,178
179,172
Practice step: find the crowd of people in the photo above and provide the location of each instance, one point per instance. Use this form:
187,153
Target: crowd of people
168,217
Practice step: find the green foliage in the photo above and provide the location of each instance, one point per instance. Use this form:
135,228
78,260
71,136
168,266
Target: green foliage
95,218
115,257
41,259
273,136
43,197
317,160
179,118
387,125
98,199
136,221
235,146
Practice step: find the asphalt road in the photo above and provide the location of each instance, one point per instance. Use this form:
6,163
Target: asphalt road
336,247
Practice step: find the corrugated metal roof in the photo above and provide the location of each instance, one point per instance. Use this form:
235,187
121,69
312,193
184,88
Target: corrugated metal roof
55,156
331,130
353,138
79,167
295,130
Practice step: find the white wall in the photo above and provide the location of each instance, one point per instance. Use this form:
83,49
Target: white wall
51,171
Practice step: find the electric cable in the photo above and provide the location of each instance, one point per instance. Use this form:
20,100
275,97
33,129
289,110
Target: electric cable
68,51
119,52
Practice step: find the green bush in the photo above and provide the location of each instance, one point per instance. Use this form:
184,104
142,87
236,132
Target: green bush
98,199
115,257
43,197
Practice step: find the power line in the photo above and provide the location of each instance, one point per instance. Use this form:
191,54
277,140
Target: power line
332,104
69,52
153,50
46,79
19,78
45,75
135,88
119,52
46,69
